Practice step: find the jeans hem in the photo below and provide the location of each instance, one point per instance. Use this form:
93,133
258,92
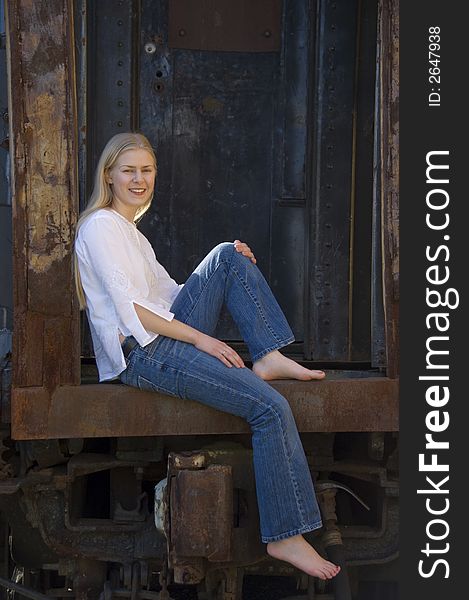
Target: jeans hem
287,534
276,346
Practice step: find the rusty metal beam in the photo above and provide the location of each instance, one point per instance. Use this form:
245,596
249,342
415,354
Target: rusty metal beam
46,349
114,410
388,40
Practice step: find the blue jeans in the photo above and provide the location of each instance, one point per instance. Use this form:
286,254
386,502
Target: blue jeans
285,492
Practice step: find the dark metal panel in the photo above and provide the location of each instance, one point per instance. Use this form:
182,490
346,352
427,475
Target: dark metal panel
332,155
224,25
211,121
362,190
289,224
112,85
113,410
293,101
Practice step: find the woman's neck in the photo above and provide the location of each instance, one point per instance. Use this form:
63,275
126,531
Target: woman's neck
126,211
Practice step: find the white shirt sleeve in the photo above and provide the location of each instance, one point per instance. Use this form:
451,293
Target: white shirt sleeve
117,266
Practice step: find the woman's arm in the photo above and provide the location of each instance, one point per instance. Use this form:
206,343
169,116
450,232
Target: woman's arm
180,331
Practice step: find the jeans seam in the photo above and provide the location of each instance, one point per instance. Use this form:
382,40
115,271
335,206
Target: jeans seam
279,344
292,532
279,420
196,301
254,299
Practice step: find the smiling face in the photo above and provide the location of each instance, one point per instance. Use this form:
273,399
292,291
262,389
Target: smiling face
132,180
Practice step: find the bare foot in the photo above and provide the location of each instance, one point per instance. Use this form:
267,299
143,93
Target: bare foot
296,551
275,365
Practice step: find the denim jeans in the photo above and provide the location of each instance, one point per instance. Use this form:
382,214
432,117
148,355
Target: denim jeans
285,492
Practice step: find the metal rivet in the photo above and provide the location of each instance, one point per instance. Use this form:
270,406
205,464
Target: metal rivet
120,44
120,22
120,103
182,32
120,82
150,48
120,63
267,33
119,123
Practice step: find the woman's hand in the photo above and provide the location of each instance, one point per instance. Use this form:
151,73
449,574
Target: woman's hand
219,350
245,250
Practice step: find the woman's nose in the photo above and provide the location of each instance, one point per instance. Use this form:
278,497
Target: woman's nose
137,176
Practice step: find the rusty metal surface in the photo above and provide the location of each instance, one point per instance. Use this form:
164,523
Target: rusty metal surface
42,133
223,25
202,513
112,410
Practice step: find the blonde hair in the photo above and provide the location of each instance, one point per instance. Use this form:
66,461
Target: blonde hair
102,195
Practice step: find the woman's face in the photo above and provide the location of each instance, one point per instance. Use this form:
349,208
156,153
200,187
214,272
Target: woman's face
132,178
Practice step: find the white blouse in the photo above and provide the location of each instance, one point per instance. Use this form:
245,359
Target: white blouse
118,268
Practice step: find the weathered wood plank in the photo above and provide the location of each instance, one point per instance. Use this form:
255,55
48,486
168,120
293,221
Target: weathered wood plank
113,410
389,79
45,200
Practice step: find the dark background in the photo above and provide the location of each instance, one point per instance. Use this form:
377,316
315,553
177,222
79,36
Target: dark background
424,129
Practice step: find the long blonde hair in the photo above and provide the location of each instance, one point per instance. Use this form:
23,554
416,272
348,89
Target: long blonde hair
101,195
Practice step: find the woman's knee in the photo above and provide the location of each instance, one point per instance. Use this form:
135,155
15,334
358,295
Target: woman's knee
224,249
272,406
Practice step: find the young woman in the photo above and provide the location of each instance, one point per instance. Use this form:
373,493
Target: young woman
155,334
